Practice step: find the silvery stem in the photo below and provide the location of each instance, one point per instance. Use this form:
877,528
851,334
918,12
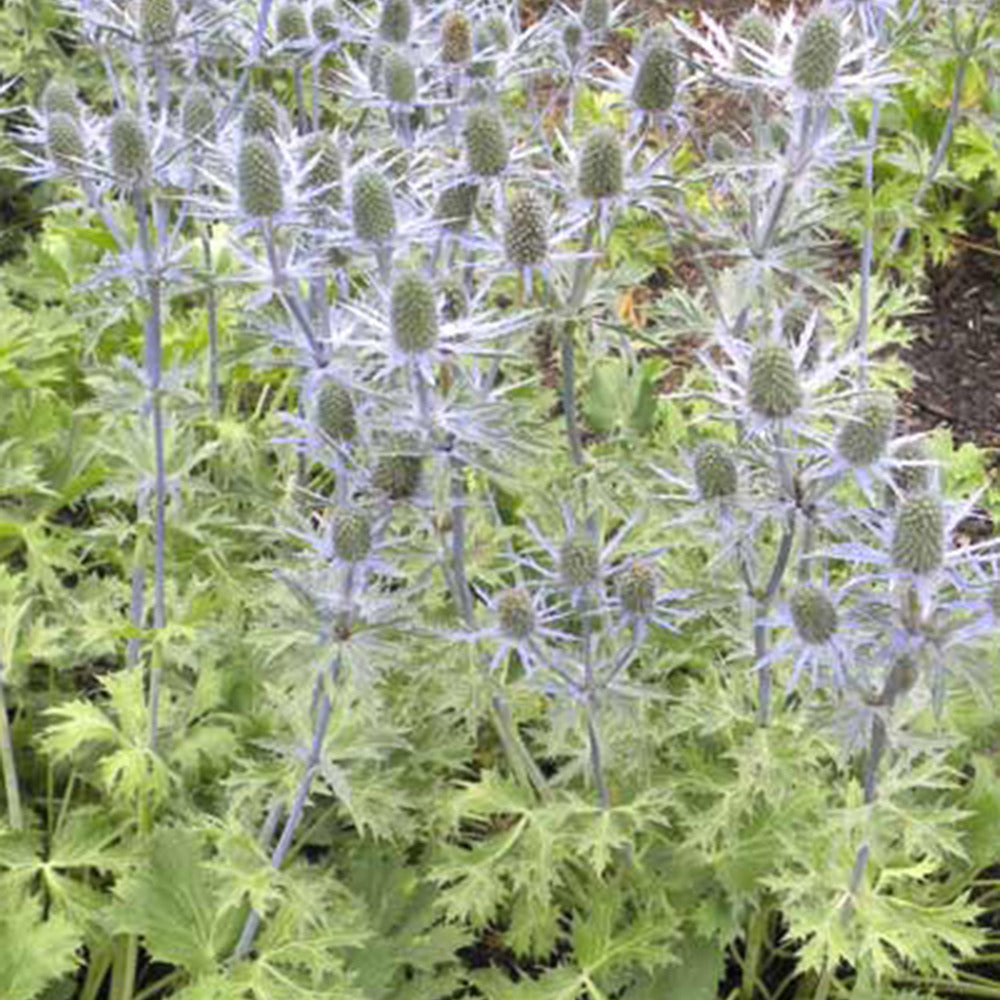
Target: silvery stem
861,337
8,765
211,307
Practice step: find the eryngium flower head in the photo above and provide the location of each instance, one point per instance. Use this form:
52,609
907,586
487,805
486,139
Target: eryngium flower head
526,233
399,78
715,472
516,613
773,391
758,29
454,300
156,21
372,208
911,478
455,206
260,115
129,149
413,313
335,411
485,141
198,113
352,536
59,97
397,474
324,170
720,147
493,33
602,164
595,15
258,177
572,35
395,21
637,588
817,53
579,562
865,437
813,614
918,535
655,83
64,142
456,38
324,23
290,22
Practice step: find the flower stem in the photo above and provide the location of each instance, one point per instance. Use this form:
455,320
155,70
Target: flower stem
8,764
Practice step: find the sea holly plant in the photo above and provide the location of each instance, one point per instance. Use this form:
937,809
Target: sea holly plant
464,689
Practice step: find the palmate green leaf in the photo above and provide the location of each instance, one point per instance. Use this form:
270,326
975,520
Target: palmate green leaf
33,951
559,984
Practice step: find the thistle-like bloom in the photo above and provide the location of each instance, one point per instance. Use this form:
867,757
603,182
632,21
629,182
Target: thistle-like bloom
291,27
602,165
323,171
351,534
157,21
413,313
395,21
755,36
526,231
595,16
372,208
198,114
128,149
486,144
64,143
323,19
334,411
399,79
715,471
817,53
59,97
260,116
655,83
456,38
259,178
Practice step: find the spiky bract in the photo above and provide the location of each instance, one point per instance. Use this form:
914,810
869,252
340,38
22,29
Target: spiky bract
456,38
655,83
813,614
773,390
198,113
290,23
128,148
258,176
918,535
865,437
602,164
352,536
526,233
395,21
372,207
758,29
516,613
715,472
485,141
413,313
817,53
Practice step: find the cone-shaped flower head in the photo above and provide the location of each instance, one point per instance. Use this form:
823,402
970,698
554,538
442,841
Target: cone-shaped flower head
817,53
129,149
454,300
720,147
774,391
918,536
655,83
258,177
413,313
395,21
813,614
399,78
485,141
456,38
526,233
64,142
352,536
335,411
198,113
715,472
602,164
494,32
579,561
455,206
372,208
324,170
156,21
572,35
59,97
324,22
902,676
516,613
911,478
397,474
290,22
865,437
637,588
595,15
758,29
260,115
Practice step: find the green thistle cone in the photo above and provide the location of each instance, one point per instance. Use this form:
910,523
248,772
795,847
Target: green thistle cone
572,36
758,29
156,21
64,143
260,116
912,478
372,207
398,473
516,613
323,169
579,562
454,301
720,148
59,97
395,21
258,176
495,34
817,53
129,150
655,83
399,78
352,536
602,165
918,536
903,674
324,23
335,412
813,614
526,233
715,472
413,313
485,141
198,114
456,38
291,25
864,439
595,15
774,391
637,588
455,206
